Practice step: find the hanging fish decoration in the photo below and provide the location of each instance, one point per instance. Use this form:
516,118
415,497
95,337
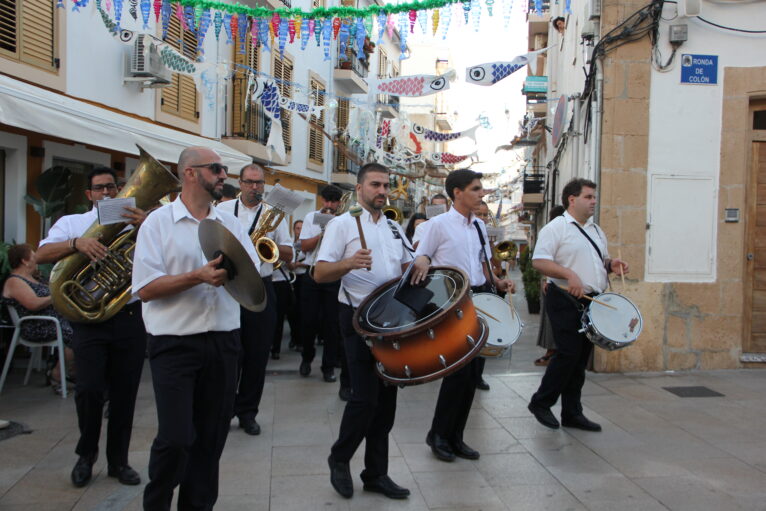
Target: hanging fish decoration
254,32
157,10
335,27
273,30
493,72
381,26
217,24
435,19
446,17
305,34
390,25
568,7
234,23
490,3
361,35
423,20
133,11
343,44
77,4
367,25
435,136
118,12
180,15
189,18
312,31
327,35
476,11
415,85
268,94
263,33
298,25
449,158
275,23
242,31
291,30
466,9
227,21
538,7
60,4
146,11
507,12
413,18
402,36
203,26
108,5
351,28
167,11
282,36
197,15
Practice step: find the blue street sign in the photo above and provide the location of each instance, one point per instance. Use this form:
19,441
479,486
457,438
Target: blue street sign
699,69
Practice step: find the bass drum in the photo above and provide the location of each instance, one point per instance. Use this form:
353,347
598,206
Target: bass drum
412,348
503,323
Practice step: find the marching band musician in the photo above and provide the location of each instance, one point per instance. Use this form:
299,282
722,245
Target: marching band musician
319,302
482,213
457,238
287,296
369,414
109,355
257,330
571,251
193,326
420,229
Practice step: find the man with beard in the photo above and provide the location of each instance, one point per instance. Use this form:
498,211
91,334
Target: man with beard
257,330
193,327
457,238
369,414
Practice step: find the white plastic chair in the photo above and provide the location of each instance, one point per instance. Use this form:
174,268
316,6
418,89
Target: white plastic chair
36,346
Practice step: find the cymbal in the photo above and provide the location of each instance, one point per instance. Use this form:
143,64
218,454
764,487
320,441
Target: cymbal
246,287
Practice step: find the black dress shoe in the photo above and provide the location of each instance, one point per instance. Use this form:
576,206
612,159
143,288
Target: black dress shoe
83,470
275,356
462,450
384,485
124,474
250,426
305,369
544,416
440,447
340,478
482,385
344,393
580,422
329,376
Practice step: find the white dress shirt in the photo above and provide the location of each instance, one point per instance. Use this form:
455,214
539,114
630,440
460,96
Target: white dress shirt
309,230
168,244
420,231
280,235
452,240
341,240
561,242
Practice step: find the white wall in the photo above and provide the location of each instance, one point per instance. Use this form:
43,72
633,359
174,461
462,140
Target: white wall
14,207
685,142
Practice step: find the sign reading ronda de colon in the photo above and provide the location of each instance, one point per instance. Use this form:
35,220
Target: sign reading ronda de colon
699,69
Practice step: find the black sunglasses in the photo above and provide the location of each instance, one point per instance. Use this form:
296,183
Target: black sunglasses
215,168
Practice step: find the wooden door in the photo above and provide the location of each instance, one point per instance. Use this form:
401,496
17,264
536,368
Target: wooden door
755,339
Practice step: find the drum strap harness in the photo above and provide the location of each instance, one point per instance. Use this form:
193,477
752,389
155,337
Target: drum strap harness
255,220
484,256
600,255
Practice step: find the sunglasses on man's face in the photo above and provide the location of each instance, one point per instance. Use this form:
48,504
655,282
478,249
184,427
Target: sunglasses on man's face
215,168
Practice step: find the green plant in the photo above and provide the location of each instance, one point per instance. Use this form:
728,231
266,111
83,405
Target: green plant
5,266
53,187
524,258
531,279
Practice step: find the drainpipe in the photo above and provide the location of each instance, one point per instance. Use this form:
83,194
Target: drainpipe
596,120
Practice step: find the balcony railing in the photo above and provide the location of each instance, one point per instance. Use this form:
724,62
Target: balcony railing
534,180
392,101
359,66
545,6
255,125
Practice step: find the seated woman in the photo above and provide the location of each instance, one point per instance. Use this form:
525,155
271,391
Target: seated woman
31,297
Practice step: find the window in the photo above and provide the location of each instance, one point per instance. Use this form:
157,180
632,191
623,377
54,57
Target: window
341,161
282,69
317,3
316,124
759,120
180,98
28,32
248,119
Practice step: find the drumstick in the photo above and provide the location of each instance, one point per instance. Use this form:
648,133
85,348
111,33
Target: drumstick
593,300
487,314
622,271
356,212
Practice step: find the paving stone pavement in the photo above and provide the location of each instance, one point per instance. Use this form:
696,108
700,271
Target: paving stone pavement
657,450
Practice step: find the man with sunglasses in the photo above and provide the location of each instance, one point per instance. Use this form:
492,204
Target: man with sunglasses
193,326
257,330
109,355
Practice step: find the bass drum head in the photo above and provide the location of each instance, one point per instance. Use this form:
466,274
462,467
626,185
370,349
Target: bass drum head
620,326
382,314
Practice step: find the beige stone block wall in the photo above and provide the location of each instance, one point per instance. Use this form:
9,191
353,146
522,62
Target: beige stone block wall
686,326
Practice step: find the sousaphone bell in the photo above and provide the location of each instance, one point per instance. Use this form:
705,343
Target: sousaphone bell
244,283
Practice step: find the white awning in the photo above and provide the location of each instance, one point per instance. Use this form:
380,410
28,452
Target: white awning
28,107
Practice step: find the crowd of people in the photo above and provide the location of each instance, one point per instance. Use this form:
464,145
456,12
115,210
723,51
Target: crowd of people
208,355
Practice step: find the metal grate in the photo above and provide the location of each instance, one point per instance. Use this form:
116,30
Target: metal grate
693,391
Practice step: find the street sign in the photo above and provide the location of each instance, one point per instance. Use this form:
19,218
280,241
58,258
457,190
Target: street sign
699,69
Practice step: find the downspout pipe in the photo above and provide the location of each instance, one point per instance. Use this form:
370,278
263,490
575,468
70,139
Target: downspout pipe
597,119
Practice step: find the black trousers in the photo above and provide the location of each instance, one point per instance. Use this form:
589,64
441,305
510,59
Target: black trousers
287,307
109,357
319,310
257,333
369,414
456,395
565,374
194,380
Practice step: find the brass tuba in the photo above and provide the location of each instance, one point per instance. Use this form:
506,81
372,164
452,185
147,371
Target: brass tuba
392,213
266,248
87,292
503,250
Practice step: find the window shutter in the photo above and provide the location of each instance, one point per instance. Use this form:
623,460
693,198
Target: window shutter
316,125
9,27
180,98
28,32
283,70
242,124
342,124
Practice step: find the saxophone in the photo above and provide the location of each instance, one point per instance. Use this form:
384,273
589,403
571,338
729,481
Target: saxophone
266,248
88,292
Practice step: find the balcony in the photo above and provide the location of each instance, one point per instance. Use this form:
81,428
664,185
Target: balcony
533,186
443,121
536,90
249,124
388,106
538,22
344,169
350,73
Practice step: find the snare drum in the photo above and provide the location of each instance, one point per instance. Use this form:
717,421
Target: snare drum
503,322
612,329
415,348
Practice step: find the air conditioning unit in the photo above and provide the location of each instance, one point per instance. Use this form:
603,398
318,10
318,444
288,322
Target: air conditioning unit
145,64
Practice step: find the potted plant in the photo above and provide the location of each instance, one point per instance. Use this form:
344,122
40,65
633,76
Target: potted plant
531,279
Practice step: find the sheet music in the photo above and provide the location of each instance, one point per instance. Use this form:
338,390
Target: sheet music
321,219
110,211
284,199
433,210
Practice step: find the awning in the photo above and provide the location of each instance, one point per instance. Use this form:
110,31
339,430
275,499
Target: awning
32,108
